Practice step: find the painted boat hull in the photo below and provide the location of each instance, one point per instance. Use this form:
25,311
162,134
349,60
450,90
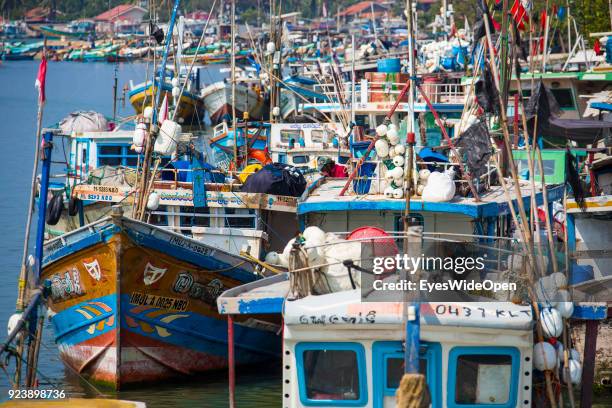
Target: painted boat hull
132,303
191,107
217,100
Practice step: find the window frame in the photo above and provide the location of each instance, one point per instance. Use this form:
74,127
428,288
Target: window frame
359,350
123,156
457,352
383,350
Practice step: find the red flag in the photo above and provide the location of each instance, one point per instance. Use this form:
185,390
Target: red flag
597,47
163,110
519,14
40,79
543,18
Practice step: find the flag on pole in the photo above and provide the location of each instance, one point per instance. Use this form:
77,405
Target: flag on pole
40,79
519,13
163,110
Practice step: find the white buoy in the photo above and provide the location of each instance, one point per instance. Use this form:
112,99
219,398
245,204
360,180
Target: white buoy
389,175
574,355
148,113
424,175
393,137
382,148
272,258
166,141
270,47
420,188
176,91
276,111
400,149
314,235
544,356
392,126
399,182
153,201
564,304
398,161
559,280
389,192
381,130
397,172
139,135
398,193
575,372
12,322
175,82
552,323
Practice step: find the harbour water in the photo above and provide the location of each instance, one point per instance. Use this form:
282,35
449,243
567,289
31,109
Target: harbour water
71,87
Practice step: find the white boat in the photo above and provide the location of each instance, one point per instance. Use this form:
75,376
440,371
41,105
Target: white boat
218,101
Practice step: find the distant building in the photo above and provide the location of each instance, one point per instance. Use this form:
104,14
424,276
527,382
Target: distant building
197,15
120,17
363,9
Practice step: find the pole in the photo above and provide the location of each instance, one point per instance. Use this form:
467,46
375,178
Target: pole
233,62
504,54
410,124
115,95
588,372
35,323
231,362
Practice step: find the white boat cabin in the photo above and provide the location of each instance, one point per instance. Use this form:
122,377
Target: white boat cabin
341,352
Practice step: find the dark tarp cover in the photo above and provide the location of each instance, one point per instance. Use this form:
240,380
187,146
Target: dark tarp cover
475,148
543,104
276,178
486,92
480,31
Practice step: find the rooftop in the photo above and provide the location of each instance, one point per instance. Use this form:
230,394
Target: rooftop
325,196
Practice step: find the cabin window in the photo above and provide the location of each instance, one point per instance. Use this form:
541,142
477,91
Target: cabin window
159,216
287,134
116,155
195,217
388,370
483,376
239,218
331,374
301,159
317,136
564,98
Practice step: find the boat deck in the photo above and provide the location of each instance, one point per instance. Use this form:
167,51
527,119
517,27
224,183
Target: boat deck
325,196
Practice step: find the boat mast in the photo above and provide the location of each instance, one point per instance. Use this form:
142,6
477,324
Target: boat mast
410,123
234,123
144,180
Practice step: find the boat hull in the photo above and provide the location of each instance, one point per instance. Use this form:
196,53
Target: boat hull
133,303
191,107
218,97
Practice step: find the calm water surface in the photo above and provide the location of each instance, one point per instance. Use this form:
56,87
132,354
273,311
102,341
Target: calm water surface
70,87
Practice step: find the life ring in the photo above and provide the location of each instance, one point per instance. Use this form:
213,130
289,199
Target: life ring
73,206
54,209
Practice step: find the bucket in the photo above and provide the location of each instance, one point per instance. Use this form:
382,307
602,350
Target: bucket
364,182
389,65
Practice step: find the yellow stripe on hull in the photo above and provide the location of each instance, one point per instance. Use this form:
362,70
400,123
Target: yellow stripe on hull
190,110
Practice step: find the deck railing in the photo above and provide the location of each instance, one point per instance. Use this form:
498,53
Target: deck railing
369,92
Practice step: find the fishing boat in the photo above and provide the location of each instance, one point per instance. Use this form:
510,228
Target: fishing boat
218,101
190,106
81,29
131,303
